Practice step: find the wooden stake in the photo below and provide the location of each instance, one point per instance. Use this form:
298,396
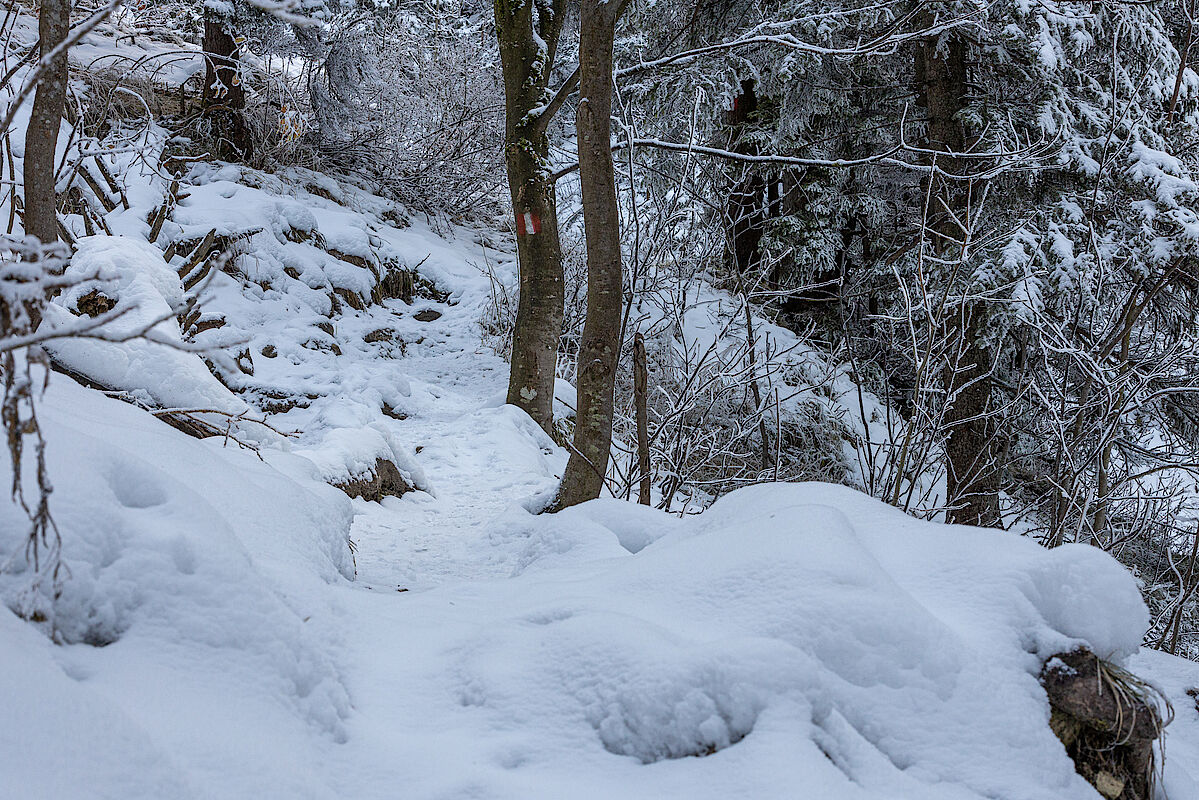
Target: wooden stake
641,400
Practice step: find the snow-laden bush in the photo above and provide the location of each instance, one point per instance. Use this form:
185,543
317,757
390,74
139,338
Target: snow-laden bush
411,99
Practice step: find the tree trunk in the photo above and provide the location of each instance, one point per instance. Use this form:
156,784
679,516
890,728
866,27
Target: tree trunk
542,287
588,465
972,484
224,96
972,481
747,203
538,328
41,135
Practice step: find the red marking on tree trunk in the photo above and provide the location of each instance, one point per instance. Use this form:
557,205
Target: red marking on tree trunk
528,224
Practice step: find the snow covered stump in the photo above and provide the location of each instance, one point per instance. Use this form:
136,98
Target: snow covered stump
1107,720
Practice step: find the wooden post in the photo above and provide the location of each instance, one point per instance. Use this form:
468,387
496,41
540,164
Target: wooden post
641,401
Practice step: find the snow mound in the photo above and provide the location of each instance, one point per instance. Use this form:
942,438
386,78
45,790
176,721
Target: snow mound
1179,679
348,454
883,655
125,760
176,544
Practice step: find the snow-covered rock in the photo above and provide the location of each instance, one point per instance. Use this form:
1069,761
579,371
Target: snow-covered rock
147,294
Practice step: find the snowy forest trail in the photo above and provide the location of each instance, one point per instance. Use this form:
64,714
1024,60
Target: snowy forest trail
479,456
276,267
426,563
444,627
792,639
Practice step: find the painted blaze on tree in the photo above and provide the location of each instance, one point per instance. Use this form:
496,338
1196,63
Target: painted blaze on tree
528,223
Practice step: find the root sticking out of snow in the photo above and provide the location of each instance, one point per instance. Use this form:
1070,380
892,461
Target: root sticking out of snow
1109,722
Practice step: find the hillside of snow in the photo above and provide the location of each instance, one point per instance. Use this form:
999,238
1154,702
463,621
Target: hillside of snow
234,627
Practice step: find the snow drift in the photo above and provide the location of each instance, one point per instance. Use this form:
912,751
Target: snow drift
792,640
175,549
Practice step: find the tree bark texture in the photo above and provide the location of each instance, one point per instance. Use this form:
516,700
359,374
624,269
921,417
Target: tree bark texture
41,135
224,95
600,349
972,481
527,67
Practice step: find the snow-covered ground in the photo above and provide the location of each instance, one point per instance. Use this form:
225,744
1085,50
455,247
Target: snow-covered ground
791,641
233,627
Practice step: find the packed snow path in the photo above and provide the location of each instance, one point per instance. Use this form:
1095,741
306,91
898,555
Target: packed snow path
478,456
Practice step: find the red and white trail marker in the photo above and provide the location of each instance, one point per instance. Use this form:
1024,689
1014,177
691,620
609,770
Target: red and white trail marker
528,224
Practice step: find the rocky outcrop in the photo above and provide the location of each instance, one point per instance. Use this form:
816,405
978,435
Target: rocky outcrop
385,480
